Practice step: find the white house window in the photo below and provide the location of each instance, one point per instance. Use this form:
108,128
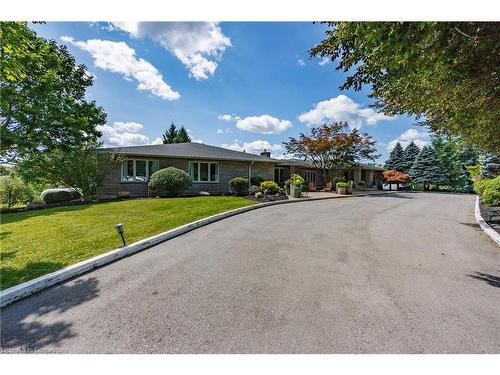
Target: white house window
204,171
138,170
310,176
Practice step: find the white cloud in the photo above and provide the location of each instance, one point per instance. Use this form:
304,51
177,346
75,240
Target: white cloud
228,118
325,60
122,134
220,131
194,140
118,57
157,141
342,108
127,126
301,62
198,45
263,124
420,138
255,147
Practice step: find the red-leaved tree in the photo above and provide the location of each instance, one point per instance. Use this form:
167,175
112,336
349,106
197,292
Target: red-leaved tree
395,177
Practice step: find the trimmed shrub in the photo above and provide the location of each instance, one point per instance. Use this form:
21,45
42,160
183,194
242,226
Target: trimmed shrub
491,197
489,190
14,191
239,184
169,182
492,183
361,183
270,187
341,185
60,195
256,180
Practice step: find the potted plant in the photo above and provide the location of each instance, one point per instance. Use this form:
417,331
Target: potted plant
342,188
361,185
296,184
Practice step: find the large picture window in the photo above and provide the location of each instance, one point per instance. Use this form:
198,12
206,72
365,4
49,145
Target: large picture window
202,171
138,170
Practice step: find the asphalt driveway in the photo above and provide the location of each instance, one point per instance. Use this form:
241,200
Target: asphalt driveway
402,273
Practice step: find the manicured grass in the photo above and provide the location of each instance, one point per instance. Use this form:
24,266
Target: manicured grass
34,243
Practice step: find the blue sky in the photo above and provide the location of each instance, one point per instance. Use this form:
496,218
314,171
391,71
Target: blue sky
237,85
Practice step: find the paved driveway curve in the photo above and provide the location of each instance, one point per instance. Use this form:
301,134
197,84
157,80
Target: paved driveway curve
403,273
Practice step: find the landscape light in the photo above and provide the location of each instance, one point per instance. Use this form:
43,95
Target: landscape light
119,229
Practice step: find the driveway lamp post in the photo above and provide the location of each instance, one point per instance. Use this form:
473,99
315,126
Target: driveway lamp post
119,229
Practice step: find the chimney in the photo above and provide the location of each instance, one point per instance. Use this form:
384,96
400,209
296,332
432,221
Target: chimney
265,153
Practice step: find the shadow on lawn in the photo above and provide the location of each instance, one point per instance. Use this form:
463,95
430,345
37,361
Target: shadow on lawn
27,326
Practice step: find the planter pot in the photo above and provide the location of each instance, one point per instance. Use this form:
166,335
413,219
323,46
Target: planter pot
295,191
342,191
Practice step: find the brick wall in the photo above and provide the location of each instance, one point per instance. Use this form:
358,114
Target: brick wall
112,184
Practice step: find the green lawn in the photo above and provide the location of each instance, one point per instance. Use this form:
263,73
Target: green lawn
34,243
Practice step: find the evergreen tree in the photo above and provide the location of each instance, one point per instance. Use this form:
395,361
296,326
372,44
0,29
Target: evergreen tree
410,154
182,136
395,160
428,169
170,134
490,166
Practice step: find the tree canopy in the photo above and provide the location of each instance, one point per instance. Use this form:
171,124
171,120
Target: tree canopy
82,167
331,147
395,160
172,135
445,73
42,96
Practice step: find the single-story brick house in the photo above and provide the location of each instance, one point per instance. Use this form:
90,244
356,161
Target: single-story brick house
210,167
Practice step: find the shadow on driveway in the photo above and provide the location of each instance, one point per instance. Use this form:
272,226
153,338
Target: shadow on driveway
487,278
23,331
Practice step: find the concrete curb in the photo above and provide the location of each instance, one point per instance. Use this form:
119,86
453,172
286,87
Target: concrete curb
484,225
28,288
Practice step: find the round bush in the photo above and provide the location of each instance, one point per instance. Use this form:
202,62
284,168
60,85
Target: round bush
60,195
169,182
342,184
239,184
270,187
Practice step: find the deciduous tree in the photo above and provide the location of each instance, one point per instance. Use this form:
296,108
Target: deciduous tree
42,91
83,167
392,176
332,147
446,73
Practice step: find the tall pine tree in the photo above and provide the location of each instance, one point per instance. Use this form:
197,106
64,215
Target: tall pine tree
170,134
182,136
428,169
490,166
410,154
395,160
